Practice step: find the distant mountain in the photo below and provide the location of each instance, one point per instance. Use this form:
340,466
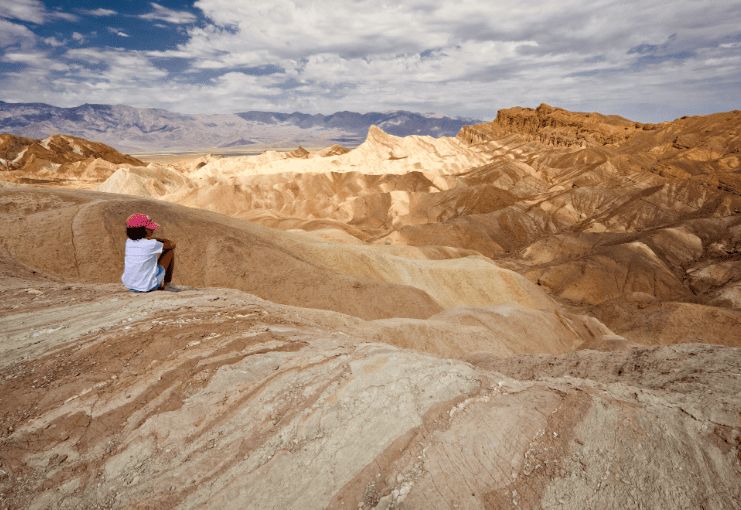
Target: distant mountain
397,122
239,143
132,129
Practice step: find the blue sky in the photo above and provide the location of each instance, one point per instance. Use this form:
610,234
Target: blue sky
647,60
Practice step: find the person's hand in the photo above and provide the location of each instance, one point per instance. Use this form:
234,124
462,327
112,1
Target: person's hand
167,244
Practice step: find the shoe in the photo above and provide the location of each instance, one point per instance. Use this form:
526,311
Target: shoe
171,288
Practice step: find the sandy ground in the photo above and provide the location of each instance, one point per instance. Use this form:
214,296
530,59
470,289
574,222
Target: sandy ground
170,158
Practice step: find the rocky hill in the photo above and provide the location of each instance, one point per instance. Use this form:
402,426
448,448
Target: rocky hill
555,126
686,147
58,159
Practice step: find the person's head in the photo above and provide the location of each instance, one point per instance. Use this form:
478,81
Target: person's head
139,226
136,233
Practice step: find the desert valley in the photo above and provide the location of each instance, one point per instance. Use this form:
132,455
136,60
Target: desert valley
543,311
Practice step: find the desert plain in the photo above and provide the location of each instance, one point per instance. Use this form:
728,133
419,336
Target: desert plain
541,312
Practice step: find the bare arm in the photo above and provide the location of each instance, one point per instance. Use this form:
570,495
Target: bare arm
168,245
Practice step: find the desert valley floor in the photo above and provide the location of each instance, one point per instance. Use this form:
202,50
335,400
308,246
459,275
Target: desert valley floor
542,312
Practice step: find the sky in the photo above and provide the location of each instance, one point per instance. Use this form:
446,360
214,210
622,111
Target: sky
647,60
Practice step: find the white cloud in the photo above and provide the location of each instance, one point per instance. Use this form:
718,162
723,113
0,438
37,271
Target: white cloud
53,42
235,84
12,33
462,57
25,10
118,31
285,29
64,15
120,66
100,12
164,14
34,59
33,11
506,54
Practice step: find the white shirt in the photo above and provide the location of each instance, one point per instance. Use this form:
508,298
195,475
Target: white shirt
140,264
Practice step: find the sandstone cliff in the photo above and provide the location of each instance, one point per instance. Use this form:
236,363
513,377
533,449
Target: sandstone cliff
555,126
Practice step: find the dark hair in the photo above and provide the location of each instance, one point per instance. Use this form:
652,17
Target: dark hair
136,233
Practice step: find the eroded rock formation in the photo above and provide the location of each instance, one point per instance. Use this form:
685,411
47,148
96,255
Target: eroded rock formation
544,312
57,160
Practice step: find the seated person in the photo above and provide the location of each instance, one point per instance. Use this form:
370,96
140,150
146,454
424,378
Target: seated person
143,271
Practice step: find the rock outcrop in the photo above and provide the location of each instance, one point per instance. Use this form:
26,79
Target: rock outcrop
555,127
58,159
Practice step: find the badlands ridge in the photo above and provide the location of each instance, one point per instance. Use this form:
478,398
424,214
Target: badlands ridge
542,312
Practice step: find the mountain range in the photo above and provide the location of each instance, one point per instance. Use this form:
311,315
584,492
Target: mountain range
130,129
